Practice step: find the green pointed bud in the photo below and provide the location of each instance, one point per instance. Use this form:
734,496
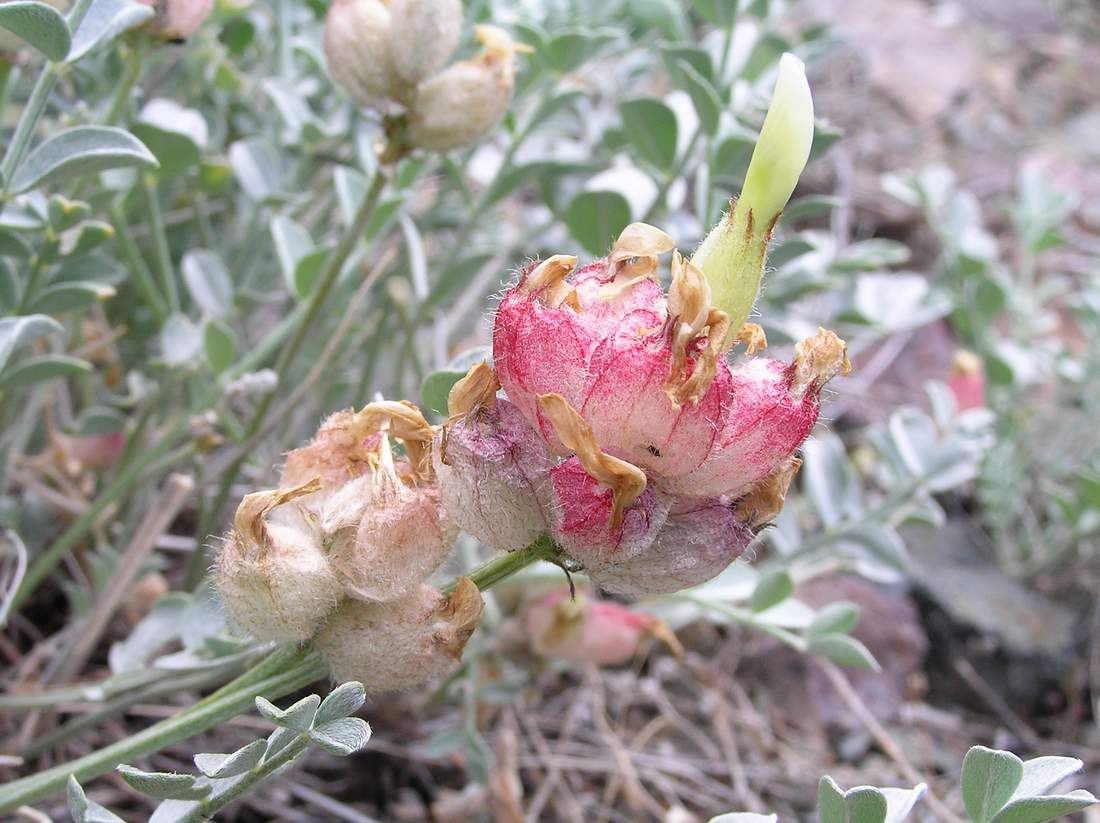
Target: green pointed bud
732,256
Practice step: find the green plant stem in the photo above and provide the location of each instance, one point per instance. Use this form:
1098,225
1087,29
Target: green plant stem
120,98
673,175
138,268
28,120
327,278
207,807
162,257
307,668
38,269
496,569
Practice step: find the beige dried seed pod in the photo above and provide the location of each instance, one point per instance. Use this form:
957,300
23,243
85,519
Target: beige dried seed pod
356,42
464,102
403,643
425,35
272,574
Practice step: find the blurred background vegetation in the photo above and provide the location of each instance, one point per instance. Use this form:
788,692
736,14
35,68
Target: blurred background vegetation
165,342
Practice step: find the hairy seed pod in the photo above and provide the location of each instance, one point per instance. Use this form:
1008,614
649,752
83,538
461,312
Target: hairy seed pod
425,35
336,454
272,574
403,643
356,42
493,468
387,531
464,102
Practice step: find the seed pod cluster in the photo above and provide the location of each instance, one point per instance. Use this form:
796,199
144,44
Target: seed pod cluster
345,545
392,55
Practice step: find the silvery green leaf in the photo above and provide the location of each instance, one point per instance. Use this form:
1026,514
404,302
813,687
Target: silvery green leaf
84,810
831,483
220,344
180,340
230,765
843,650
436,388
989,780
208,281
16,332
900,802
830,801
1042,809
258,167
865,804
63,297
279,740
298,717
38,24
292,245
45,367
836,618
341,737
1041,774
163,785
707,104
773,588
80,151
176,135
104,21
343,701
351,188
862,804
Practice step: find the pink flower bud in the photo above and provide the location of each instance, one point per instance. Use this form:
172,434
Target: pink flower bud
96,451
357,50
464,102
178,19
967,381
272,574
586,630
493,468
425,35
402,643
648,372
387,531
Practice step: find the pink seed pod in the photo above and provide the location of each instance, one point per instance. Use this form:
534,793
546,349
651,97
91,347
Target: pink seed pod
387,530
493,468
425,35
463,103
586,630
403,643
698,541
336,454
272,574
356,42
178,19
